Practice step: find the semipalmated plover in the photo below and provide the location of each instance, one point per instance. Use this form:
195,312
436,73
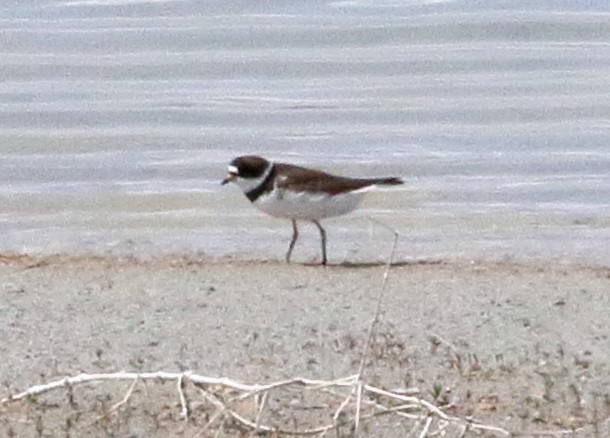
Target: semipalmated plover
297,193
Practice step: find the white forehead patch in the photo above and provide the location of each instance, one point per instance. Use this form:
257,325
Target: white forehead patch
233,169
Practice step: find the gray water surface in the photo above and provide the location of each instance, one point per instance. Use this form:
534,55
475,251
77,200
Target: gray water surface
118,117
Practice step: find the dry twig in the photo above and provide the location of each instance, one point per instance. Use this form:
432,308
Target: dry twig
425,409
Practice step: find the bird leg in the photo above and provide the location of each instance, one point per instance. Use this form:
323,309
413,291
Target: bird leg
323,239
295,236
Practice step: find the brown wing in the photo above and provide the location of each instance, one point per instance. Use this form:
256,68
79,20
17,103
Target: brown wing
309,180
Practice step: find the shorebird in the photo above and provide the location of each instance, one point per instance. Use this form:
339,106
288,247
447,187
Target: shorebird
298,193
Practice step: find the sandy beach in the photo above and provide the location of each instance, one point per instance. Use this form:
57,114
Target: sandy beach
522,347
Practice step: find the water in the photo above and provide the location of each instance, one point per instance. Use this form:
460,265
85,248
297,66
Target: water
118,117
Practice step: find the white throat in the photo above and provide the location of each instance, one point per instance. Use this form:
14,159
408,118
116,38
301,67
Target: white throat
247,184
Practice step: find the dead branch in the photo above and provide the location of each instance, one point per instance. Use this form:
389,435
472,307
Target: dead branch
212,389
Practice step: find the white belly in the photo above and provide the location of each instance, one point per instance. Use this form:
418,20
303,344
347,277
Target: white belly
307,205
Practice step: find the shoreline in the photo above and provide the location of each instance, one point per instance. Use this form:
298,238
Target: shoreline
181,259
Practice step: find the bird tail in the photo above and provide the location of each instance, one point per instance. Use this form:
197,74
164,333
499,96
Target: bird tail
391,181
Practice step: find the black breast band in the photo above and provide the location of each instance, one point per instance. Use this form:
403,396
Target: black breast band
264,187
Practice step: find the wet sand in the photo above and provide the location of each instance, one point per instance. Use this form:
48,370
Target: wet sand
523,347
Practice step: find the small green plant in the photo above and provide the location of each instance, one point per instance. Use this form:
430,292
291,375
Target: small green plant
437,391
137,362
